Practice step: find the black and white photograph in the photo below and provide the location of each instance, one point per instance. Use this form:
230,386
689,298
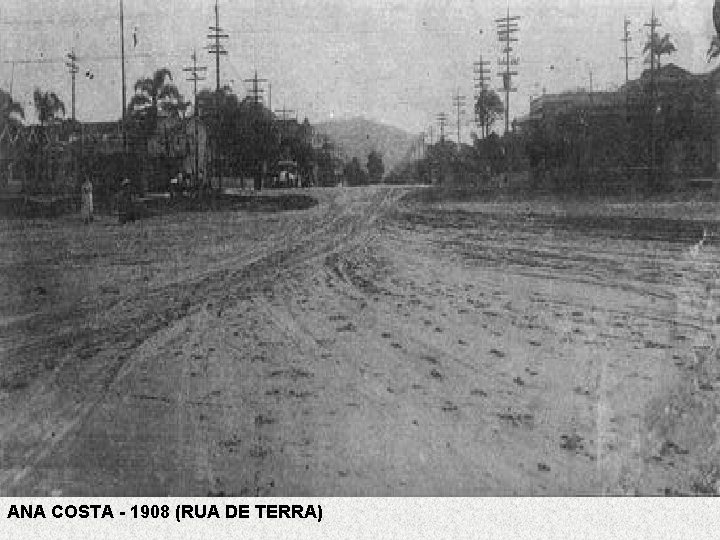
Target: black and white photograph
368,248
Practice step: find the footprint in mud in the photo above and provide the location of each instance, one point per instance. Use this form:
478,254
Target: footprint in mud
462,342
386,335
519,381
435,374
535,343
497,353
449,407
259,451
531,372
300,395
542,467
654,345
438,330
518,419
572,442
349,327
429,359
396,346
476,392
262,420
427,323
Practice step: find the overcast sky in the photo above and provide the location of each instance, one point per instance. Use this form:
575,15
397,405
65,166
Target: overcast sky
395,61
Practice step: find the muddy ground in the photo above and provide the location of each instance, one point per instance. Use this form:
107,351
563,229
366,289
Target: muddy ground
372,344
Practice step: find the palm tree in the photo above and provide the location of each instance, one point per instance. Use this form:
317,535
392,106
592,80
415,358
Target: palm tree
660,46
11,112
48,106
155,94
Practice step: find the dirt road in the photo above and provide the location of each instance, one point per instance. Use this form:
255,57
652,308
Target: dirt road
366,346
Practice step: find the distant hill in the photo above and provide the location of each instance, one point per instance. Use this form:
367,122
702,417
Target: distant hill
359,137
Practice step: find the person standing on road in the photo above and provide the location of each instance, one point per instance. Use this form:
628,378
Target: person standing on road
86,209
126,210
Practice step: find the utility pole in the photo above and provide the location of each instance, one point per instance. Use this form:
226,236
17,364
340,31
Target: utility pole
482,78
442,119
73,70
626,40
194,77
215,47
124,84
654,24
458,103
255,91
284,112
507,27
194,71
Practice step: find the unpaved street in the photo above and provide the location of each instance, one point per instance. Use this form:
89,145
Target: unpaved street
369,345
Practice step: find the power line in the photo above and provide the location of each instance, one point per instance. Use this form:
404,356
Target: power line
60,60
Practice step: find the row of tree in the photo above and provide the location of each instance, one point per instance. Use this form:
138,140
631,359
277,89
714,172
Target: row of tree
355,175
247,138
48,106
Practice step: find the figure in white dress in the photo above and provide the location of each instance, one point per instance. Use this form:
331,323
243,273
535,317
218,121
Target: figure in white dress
86,209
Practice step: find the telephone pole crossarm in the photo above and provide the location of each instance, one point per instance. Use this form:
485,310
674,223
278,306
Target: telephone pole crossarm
507,27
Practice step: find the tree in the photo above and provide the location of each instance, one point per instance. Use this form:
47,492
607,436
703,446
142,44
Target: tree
375,166
660,46
11,112
354,173
153,95
49,108
488,109
48,105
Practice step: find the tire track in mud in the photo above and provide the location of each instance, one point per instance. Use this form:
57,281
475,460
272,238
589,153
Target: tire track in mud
89,360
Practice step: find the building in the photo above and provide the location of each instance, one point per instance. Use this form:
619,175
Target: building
662,129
